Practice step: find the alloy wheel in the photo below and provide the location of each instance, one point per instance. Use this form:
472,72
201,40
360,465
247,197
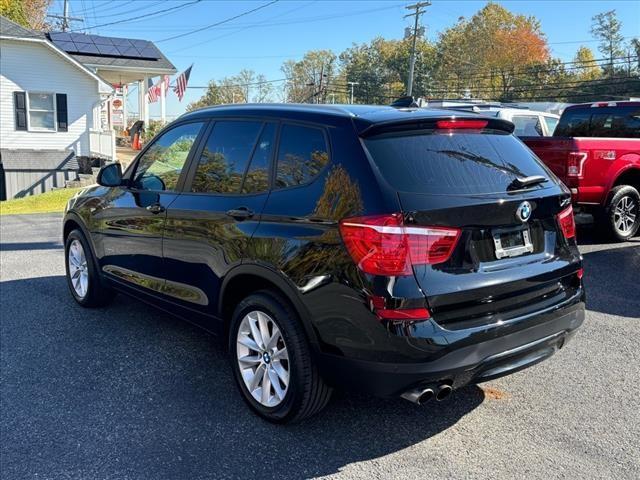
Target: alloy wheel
78,269
625,214
263,358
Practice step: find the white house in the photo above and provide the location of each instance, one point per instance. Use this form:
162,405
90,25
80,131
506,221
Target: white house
55,101
48,104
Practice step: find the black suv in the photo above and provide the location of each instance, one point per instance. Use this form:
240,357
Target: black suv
400,252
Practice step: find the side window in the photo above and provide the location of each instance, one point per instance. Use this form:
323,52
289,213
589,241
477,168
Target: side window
161,165
302,153
573,123
225,157
616,122
527,126
257,177
552,123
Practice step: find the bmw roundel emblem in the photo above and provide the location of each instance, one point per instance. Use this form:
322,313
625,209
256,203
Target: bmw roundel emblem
524,211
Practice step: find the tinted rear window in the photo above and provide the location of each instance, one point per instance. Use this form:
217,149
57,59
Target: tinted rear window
462,163
600,122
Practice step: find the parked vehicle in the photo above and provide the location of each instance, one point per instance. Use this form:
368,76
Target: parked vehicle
397,252
595,150
528,123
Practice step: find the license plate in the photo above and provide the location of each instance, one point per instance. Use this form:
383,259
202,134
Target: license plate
512,242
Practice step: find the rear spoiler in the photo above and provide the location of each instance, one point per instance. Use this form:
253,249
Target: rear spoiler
409,102
450,123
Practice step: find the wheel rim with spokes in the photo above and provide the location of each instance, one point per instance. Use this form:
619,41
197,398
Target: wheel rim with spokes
78,271
263,358
625,214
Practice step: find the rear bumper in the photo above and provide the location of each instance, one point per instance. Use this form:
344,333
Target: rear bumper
473,359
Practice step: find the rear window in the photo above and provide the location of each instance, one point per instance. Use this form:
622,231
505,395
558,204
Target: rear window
462,163
600,122
527,126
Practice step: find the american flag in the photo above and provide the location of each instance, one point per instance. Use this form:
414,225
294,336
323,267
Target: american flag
181,83
153,92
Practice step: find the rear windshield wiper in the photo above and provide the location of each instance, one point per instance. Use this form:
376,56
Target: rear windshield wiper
524,182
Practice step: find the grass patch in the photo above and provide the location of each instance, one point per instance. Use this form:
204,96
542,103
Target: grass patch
53,201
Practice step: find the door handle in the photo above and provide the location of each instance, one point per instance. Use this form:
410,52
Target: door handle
241,213
155,208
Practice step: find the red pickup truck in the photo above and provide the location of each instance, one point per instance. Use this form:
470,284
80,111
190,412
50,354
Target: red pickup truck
595,150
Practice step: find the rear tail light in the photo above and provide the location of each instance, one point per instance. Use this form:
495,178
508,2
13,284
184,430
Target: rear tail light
575,164
567,222
383,245
580,273
378,305
455,124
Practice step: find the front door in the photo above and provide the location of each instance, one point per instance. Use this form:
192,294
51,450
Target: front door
128,226
209,226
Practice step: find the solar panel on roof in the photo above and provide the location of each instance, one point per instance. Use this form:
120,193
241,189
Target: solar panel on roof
107,50
125,42
102,40
128,52
105,46
62,36
149,52
89,48
66,46
80,38
140,43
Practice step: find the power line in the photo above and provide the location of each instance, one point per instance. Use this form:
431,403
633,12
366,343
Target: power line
546,69
145,16
290,22
545,88
129,11
305,5
218,23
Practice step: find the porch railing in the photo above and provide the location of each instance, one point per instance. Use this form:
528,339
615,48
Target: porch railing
103,144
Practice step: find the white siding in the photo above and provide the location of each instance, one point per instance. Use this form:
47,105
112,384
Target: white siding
27,66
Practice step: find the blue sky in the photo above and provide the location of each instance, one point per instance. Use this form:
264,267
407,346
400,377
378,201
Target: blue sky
261,41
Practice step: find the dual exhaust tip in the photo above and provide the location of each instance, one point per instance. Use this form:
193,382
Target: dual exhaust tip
424,394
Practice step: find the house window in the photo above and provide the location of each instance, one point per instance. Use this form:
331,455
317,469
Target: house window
42,111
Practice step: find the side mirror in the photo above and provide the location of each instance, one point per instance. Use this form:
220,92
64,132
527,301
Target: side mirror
110,175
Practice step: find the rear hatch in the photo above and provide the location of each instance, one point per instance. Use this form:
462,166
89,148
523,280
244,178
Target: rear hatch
512,256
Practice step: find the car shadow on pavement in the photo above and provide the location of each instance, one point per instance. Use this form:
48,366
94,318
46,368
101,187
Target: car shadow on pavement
9,247
128,391
612,280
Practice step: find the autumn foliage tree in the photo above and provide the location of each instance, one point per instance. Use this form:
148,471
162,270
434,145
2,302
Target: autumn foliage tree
487,54
28,13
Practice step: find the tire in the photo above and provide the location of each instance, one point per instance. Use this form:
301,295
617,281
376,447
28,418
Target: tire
305,393
622,213
92,292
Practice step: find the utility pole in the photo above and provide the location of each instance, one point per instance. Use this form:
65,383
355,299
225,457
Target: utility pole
418,10
352,85
65,17
319,96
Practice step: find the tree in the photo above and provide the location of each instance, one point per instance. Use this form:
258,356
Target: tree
308,79
227,90
634,47
381,69
585,66
490,53
606,28
28,13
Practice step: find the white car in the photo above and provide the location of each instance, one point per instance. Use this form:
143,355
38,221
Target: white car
529,123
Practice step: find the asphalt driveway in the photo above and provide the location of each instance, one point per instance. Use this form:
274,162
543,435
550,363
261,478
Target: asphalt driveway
130,392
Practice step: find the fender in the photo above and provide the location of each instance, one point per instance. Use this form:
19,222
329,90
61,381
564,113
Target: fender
71,215
282,283
627,162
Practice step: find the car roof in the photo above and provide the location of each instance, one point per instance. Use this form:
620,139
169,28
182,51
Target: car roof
364,114
606,103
